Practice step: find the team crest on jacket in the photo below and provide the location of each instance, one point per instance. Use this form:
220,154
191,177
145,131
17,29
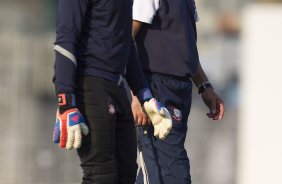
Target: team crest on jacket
177,115
112,109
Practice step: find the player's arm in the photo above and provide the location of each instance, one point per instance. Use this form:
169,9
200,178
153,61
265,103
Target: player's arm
200,76
157,113
70,18
69,122
135,76
210,98
136,26
143,13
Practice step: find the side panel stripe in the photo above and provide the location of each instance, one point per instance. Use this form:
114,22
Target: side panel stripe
144,169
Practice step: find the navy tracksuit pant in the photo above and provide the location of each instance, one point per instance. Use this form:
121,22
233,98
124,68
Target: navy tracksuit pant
166,161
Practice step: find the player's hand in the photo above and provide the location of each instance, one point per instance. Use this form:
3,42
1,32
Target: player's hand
140,118
68,128
70,124
214,103
159,116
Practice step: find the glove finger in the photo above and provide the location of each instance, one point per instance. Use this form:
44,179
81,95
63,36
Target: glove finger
84,129
166,127
70,140
156,131
167,124
64,134
163,131
56,133
77,138
162,136
167,119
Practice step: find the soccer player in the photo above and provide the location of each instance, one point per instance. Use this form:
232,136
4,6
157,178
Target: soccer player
94,52
165,33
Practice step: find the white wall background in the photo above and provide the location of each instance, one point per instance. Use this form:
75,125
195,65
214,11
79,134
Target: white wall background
260,127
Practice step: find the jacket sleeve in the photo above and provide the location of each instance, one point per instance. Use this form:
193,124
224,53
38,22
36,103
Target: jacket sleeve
135,76
70,19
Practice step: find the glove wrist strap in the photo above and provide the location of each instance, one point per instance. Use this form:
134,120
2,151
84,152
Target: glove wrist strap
144,95
66,101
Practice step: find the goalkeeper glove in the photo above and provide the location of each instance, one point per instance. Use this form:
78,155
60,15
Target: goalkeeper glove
69,123
159,116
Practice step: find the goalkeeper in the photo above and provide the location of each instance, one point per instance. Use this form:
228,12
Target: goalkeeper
94,49
165,33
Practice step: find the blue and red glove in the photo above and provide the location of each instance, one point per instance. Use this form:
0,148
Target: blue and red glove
70,124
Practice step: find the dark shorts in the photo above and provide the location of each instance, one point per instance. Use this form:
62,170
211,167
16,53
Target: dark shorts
166,161
108,153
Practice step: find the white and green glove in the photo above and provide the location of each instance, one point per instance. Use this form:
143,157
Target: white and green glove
159,116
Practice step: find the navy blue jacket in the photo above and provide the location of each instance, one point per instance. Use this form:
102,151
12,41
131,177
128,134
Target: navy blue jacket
94,38
168,44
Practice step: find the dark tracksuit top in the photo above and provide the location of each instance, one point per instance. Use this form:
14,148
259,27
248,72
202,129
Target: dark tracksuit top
94,38
168,45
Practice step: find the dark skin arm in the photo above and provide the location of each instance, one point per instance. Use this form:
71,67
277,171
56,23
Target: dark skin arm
136,26
210,98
